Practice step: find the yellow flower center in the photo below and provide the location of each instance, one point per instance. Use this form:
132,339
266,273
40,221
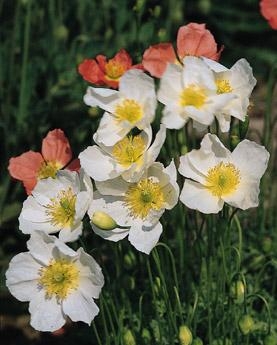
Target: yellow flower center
223,179
144,196
59,278
61,210
223,86
128,110
114,70
48,169
129,150
193,96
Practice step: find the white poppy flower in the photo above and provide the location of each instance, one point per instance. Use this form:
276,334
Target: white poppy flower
190,91
128,158
215,175
134,209
238,81
57,281
133,105
58,204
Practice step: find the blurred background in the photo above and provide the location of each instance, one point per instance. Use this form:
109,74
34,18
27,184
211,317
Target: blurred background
42,43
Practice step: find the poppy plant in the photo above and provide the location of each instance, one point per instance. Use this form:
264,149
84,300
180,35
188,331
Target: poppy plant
192,39
32,166
100,71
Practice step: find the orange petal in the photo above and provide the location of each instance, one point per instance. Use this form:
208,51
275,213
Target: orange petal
25,168
269,11
194,39
156,57
74,165
123,58
56,148
91,72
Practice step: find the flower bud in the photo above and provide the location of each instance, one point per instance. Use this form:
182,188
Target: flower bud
93,112
246,324
61,33
270,339
129,260
128,338
237,291
267,244
103,221
197,341
146,335
185,336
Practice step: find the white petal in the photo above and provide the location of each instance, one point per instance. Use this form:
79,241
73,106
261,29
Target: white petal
101,97
170,85
203,115
71,235
97,164
22,276
242,79
215,66
197,197
155,148
80,308
115,187
246,195
46,313
41,246
145,238
211,143
224,121
82,204
172,118
250,158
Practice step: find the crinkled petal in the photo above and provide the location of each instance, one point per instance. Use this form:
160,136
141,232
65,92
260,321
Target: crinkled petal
197,197
72,234
145,238
101,97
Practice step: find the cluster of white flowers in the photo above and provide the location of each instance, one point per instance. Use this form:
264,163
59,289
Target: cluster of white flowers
131,189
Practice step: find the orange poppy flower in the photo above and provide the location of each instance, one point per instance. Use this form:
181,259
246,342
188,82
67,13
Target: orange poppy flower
100,71
192,39
269,11
32,166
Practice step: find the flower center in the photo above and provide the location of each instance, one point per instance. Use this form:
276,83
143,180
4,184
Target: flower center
61,210
144,196
114,70
223,179
129,150
128,110
223,86
59,278
48,169
193,96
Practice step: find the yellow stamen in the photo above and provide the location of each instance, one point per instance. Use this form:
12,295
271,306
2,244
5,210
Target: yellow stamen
61,210
223,86
129,150
143,197
193,95
114,70
223,179
128,110
48,169
59,278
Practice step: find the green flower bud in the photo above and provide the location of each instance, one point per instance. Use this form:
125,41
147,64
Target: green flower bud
270,339
197,341
185,335
146,335
204,6
128,283
267,244
129,260
237,291
234,141
128,338
246,324
103,221
61,33
184,149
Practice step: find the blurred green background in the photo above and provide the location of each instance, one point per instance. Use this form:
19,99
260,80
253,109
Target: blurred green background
42,43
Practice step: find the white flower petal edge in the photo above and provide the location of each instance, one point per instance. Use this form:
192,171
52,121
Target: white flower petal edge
35,276
220,176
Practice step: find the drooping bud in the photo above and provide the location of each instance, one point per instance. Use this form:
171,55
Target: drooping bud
128,338
185,335
103,221
237,291
246,324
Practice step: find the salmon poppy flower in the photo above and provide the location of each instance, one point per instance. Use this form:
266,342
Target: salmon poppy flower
32,166
100,71
269,11
192,39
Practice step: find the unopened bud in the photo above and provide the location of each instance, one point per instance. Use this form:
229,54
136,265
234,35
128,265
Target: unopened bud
197,341
93,112
129,260
61,33
185,336
246,324
146,335
103,221
267,244
270,339
128,338
237,291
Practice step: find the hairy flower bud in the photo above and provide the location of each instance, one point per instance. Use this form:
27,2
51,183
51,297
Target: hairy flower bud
185,336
